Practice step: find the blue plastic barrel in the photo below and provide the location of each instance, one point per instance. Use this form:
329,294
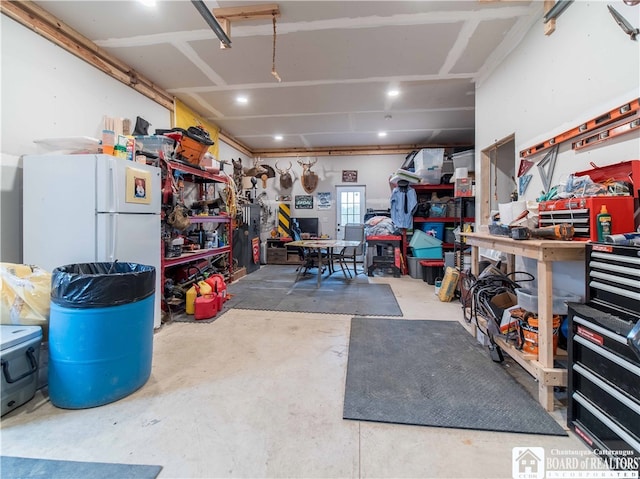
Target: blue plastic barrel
100,332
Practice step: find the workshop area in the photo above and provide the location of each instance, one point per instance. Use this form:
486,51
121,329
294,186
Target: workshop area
320,239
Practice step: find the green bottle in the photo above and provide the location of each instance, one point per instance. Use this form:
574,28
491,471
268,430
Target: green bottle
603,223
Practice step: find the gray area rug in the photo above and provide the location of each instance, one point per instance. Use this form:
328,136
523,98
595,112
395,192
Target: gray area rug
26,468
274,288
434,373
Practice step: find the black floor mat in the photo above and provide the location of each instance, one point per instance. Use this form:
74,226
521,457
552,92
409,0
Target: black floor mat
275,289
27,468
434,373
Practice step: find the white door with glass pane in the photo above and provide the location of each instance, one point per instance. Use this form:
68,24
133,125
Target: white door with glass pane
350,207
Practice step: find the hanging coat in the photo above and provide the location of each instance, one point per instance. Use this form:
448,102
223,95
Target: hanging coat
403,203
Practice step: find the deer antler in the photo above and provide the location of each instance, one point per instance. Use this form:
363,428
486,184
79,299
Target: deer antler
282,172
307,166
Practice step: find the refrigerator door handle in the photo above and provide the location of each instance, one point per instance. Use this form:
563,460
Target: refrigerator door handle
111,237
114,232
114,186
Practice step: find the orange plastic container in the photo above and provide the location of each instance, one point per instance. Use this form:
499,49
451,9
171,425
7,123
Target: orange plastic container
193,144
529,334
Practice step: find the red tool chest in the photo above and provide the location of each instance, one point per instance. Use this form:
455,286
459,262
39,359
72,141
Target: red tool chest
581,212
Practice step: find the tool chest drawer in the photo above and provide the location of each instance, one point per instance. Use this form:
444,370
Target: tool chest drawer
604,377
613,276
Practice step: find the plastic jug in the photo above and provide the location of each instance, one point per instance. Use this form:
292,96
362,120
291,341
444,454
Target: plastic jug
203,288
205,306
220,286
213,282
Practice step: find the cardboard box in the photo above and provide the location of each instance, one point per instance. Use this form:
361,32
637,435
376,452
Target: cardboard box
500,302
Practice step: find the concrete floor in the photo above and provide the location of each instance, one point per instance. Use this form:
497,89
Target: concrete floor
260,394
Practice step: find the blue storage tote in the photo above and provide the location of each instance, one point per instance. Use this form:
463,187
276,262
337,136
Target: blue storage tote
425,246
433,229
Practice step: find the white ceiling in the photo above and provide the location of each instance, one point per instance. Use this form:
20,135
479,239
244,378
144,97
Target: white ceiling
336,60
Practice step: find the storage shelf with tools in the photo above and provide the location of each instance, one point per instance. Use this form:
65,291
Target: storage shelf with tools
202,241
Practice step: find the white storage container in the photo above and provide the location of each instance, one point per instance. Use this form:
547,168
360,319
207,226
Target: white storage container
430,176
20,354
428,158
465,159
528,300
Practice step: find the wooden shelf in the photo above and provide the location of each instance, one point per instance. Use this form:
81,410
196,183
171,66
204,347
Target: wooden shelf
545,252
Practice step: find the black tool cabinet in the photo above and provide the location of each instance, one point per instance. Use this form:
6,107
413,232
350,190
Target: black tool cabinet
604,354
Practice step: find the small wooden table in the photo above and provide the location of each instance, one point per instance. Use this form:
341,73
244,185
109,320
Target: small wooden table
545,252
319,245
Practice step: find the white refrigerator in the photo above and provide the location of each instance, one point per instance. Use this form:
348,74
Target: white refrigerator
91,208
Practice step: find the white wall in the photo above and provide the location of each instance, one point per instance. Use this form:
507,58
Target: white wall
373,172
49,93
550,84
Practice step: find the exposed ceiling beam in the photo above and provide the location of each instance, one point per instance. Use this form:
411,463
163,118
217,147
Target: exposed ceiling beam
229,140
247,12
43,23
350,150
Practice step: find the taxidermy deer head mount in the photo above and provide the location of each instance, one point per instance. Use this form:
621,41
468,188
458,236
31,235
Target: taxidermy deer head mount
309,178
257,169
286,181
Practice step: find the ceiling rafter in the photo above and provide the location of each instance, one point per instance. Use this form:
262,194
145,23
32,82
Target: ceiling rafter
246,12
43,23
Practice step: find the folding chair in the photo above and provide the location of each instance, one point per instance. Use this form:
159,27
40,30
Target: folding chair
352,232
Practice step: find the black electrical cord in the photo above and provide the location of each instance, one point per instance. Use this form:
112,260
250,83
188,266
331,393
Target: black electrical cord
476,300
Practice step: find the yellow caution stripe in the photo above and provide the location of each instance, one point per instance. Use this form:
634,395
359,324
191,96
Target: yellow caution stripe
284,220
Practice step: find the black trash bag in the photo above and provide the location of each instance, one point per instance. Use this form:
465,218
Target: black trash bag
99,285
142,127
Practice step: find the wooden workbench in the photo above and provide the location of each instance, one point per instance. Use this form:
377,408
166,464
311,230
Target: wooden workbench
545,252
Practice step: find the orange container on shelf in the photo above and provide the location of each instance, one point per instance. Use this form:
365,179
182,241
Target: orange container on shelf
529,333
193,144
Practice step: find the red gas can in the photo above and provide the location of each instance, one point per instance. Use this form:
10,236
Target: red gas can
205,307
216,281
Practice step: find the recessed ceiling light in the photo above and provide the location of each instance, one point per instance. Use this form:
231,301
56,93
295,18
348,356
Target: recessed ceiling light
277,137
393,92
243,100
382,134
148,3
